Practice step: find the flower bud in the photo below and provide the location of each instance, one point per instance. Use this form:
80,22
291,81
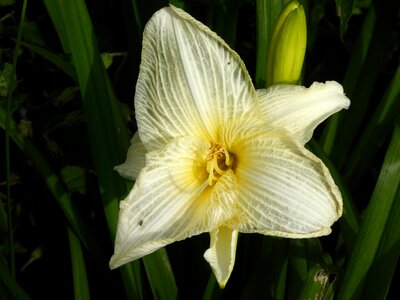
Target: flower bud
288,46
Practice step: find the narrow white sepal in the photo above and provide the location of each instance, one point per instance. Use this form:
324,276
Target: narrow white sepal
222,252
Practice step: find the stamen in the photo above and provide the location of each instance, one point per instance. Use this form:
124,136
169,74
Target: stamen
218,162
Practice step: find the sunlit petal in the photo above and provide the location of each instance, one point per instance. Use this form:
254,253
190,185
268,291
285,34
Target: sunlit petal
190,81
135,159
171,201
222,252
298,109
285,190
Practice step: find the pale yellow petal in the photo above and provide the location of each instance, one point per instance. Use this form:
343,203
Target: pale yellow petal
190,82
222,252
299,109
284,189
135,159
171,200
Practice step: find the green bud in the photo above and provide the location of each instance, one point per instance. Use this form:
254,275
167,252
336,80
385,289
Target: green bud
288,46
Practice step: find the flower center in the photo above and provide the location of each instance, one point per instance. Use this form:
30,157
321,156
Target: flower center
218,162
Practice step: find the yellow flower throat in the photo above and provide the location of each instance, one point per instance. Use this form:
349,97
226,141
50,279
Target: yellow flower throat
218,162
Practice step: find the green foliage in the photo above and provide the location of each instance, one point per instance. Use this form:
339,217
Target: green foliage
344,11
68,113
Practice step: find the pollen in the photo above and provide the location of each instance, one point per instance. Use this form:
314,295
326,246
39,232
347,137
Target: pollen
219,161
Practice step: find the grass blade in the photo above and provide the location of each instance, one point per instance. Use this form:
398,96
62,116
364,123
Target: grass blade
387,256
212,290
375,132
278,266
58,61
350,220
108,137
345,10
81,287
354,68
373,223
297,267
379,47
14,289
160,275
58,18
107,133
138,18
269,258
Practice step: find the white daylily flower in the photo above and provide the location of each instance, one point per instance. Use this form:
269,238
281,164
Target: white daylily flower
220,157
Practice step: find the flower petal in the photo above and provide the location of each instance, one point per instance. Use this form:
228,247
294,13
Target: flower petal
135,159
299,109
284,189
171,200
222,252
190,82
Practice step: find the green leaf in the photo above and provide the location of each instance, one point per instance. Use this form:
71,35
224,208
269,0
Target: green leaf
352,75
266,268
107,58
297,267
160,275
107,132
6,2
138,18
74,179
278,263
60,62
387,256
224,22
32,34
104,120
3,217
177,3
81,286
344,10
318,285
375,132
350,220
5,73
374,222
66,95
367,76
212,290
55,186
13,287
315,15
57,16
360,51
